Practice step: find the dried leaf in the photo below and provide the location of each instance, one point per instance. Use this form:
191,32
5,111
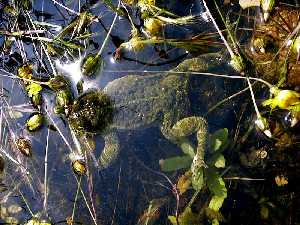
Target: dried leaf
25,71
15,114
13,209
249,3
151,214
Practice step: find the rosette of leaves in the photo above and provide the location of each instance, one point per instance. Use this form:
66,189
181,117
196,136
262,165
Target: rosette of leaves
58,82
35,122
63,100
91,64
33,89
210,178
37,221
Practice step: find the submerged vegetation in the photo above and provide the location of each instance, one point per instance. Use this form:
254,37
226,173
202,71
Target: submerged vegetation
149,112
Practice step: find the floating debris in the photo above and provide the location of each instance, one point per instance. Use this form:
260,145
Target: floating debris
24,146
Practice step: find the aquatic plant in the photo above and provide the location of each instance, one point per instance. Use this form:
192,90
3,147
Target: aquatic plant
35,122
35,40
208,176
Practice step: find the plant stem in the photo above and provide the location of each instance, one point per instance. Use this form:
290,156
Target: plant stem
108,33
219,31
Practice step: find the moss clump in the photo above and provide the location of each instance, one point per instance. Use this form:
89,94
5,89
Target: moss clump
92,112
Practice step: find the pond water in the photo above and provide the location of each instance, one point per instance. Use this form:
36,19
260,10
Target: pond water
132,167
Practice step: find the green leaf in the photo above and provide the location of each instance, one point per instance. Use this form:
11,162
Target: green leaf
37,99
36,221
215,222
63,98
187,217
213,215
58,82
10,10
175,163
218,140
71,45
216,202
33,89
172,219
187,148
216,183
264,212
79,86
218,160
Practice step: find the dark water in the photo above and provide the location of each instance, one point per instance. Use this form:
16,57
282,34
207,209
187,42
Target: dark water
120,193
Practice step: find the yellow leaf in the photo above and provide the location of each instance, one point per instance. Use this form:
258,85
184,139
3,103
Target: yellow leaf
216,202
283,99
33,89
281,180
152,213
286,98
264,212
184,182
249,3
25,71
271,102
